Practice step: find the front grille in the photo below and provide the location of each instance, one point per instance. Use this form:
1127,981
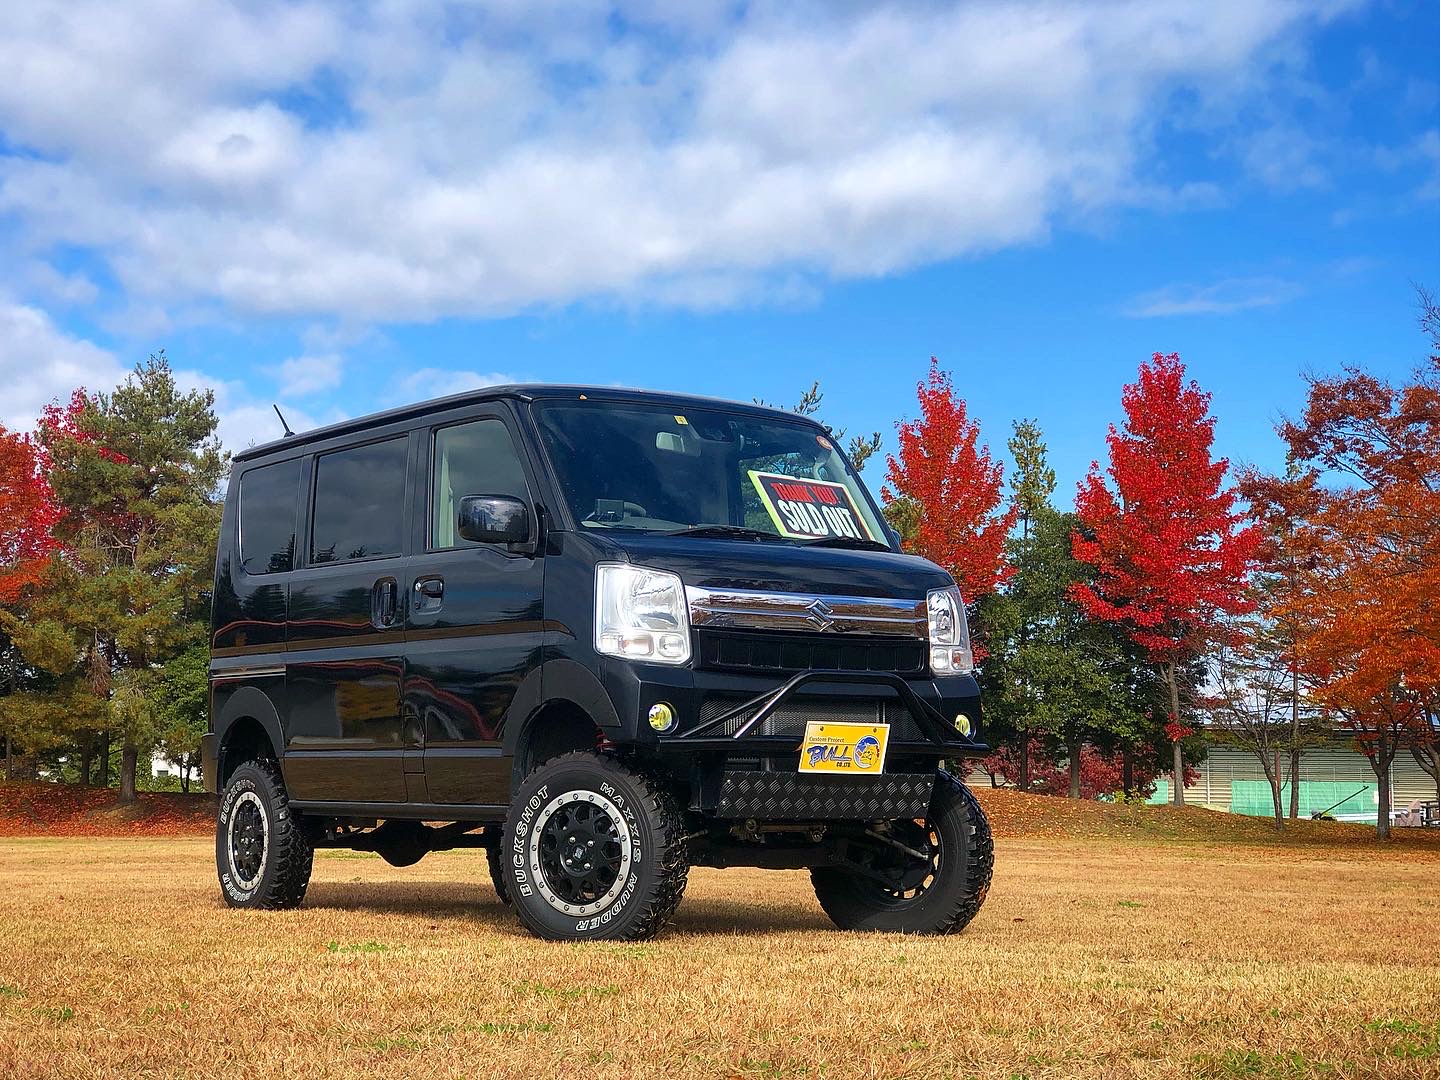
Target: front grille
798,710
788,653
775,796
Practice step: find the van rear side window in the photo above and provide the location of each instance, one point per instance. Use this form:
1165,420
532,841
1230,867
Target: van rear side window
269,497
360,503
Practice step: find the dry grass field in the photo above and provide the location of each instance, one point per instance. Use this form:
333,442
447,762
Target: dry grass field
1094,956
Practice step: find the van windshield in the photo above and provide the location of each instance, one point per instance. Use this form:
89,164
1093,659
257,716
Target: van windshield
656,468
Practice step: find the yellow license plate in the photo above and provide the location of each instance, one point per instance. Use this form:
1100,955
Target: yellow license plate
857,749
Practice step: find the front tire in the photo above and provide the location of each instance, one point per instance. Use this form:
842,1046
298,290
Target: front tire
261,853
593,850
890,889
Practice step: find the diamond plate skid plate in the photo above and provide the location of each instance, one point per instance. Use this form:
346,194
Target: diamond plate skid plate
776,796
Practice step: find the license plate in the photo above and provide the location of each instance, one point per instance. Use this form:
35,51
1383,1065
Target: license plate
857,749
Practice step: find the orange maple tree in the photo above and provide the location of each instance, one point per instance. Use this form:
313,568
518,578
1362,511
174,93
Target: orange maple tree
955,488
1365,508
1170,553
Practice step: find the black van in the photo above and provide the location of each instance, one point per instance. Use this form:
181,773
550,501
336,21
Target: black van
605,635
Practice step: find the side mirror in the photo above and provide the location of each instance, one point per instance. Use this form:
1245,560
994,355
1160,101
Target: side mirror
494,519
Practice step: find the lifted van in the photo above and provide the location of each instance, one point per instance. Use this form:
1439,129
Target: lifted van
605,635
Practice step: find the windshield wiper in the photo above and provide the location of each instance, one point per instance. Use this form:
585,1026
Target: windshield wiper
724,532
856,542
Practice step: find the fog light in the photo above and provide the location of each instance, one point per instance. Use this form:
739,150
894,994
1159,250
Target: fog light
962,724
661,717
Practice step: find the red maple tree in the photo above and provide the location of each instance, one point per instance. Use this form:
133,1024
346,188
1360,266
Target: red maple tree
28,514
954,489
1170,553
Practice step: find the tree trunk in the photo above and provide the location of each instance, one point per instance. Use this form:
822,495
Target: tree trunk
1294,739
129,761
1127,771
9,759
1177,783
1025,761
1380,762
1073,749
102,767
1427,756
1272,776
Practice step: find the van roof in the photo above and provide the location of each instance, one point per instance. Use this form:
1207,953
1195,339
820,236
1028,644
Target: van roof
522,391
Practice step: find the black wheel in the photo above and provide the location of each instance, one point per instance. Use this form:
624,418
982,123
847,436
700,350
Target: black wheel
593,849
261,853
914,877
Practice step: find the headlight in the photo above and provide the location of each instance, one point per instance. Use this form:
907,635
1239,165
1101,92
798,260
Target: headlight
949,633
640,614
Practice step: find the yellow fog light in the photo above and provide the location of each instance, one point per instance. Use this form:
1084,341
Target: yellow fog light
661,717
962,724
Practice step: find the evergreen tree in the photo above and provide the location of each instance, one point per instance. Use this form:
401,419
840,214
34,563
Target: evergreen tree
135,474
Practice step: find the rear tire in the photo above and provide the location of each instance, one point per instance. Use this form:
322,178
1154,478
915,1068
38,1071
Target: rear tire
262,855
593,850
939,896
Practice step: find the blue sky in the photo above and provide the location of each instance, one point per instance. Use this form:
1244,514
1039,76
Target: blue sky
343,207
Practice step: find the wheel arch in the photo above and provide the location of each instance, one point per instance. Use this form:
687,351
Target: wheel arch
247,728
559,707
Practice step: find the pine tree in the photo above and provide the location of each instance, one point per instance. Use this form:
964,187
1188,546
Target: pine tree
135,473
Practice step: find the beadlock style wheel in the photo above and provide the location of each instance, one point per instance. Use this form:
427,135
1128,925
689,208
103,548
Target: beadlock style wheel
580,852
249,840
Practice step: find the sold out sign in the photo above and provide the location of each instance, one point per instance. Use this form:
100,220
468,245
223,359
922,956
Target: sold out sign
810,509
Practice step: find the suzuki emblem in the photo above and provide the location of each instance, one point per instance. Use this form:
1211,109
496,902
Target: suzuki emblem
817,613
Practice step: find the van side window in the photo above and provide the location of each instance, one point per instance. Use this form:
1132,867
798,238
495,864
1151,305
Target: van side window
478,458
359,503
269,497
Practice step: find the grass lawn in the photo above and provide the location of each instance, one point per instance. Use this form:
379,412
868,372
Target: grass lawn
1095,955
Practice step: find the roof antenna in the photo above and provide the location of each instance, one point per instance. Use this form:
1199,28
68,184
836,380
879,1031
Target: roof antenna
288,433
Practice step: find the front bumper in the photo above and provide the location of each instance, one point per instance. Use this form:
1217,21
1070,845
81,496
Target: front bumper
740,761
790,796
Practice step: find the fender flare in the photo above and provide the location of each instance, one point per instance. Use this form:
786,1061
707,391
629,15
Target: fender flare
552,681
249,702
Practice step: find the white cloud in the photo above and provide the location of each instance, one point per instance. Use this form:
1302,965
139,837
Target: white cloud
425,383
40,363
1219,298
301,376
396,160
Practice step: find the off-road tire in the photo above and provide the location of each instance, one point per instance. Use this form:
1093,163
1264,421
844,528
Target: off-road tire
497,873
285,861
953,898
647,859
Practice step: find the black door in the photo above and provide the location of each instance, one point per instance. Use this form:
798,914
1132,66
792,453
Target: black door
475,614
345,654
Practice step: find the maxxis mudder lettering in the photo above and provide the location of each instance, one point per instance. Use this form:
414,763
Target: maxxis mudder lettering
950,903
289,857
652,885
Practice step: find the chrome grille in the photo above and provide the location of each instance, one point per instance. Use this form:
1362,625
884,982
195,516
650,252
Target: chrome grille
806,613
795,712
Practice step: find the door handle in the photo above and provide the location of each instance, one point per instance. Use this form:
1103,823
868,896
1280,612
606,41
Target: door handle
384,603
429,595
